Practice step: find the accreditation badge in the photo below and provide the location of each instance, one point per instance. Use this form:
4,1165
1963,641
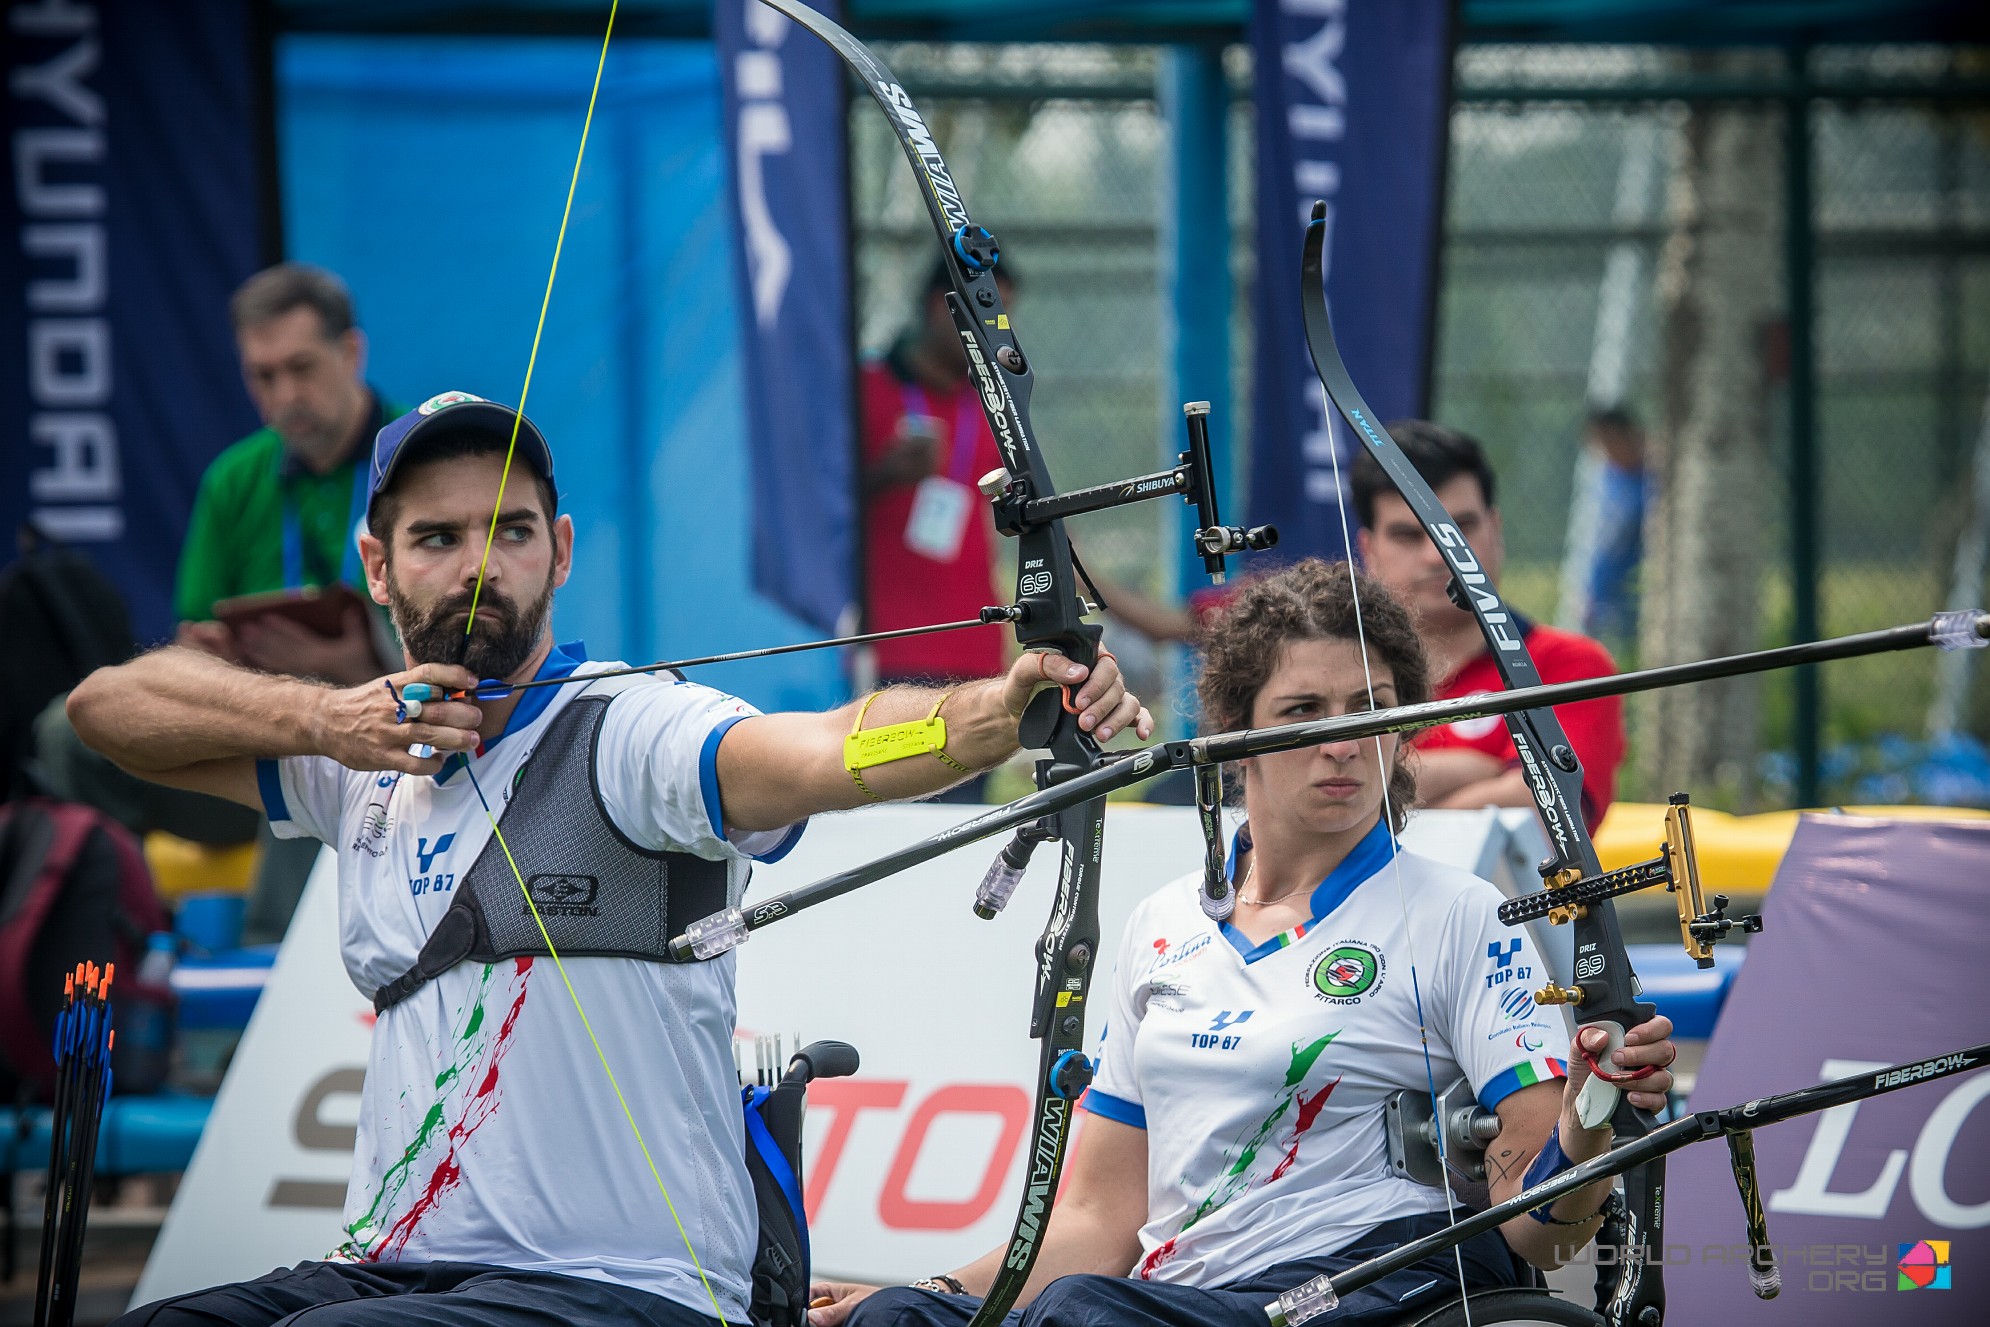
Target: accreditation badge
941,509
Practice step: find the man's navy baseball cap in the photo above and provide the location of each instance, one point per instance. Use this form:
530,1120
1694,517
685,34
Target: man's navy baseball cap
449,413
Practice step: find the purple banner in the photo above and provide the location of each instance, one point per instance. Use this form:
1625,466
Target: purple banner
1873,954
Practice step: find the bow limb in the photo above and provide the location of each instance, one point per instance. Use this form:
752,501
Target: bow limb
1606,991
1052,616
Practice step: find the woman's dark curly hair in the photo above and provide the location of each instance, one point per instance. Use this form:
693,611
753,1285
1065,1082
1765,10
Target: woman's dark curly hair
1311,600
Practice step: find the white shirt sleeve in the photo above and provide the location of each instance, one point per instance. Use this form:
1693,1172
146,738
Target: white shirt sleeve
1115,1090
656,761
304,796
1500,1038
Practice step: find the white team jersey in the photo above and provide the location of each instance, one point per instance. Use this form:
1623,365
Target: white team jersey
1259,1071
488,1131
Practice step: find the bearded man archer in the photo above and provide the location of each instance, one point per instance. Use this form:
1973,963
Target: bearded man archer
497,1180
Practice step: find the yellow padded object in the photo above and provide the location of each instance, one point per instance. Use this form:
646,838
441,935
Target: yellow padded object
1738,855
181,866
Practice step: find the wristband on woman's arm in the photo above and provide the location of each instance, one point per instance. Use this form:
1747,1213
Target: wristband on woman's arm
1549,1162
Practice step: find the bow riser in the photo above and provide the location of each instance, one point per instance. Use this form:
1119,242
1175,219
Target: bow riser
1046,573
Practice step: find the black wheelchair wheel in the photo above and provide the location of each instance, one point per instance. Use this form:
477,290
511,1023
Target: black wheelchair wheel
1515,1308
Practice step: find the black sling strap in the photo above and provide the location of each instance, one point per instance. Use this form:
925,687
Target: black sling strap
598,894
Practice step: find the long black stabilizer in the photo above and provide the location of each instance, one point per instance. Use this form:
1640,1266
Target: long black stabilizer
1128,768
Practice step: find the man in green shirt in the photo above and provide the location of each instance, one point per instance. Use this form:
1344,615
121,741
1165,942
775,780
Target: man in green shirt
280,509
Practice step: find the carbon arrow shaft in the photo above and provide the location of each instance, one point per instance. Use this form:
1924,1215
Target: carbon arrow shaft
1136,766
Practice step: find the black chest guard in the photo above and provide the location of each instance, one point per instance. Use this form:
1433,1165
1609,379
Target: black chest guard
599,895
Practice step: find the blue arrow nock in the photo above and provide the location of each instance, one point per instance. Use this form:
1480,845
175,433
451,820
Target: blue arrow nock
490,688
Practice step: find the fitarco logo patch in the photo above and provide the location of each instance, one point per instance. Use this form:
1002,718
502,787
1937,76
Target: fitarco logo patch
1348,973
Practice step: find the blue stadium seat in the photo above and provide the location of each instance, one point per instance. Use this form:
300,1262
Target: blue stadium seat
139,1135
219,991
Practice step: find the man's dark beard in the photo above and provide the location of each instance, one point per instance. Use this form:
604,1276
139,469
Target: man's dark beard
497,646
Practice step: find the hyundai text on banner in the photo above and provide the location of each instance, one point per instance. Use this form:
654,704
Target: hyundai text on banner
130,214
1879,1211
1352,101
785,136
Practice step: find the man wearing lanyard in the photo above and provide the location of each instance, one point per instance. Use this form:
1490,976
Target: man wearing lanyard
280,509
928,539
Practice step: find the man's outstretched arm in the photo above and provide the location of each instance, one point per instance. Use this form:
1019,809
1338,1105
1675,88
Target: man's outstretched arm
777,769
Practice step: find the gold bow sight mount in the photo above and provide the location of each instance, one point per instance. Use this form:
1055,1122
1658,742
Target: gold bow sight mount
1702,921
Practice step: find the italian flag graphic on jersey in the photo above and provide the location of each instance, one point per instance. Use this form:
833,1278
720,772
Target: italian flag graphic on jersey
466,1095
1248,1162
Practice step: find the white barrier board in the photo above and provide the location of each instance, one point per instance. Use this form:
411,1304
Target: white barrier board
913,1165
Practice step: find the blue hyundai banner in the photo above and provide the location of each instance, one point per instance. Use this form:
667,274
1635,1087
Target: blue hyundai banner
1352,105
785,138
130,214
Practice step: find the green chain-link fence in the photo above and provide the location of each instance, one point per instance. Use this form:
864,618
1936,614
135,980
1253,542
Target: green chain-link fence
1561,164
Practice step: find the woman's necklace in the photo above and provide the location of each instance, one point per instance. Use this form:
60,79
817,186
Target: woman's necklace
1250,872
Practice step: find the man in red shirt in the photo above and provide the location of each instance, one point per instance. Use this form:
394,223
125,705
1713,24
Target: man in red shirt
1472,763
928,537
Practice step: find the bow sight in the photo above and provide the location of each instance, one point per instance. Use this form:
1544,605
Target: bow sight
1192,476
1675,867
1016,513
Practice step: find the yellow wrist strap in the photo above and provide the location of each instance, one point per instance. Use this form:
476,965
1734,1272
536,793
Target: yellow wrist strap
880,746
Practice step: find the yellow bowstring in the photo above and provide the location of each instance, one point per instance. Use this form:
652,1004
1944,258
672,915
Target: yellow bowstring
545,303
518,420
600,1054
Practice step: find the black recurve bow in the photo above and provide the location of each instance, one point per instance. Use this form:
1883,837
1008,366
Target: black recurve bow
1052,616
1605,992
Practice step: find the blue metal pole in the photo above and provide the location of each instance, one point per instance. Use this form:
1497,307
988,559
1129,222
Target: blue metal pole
1195,275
